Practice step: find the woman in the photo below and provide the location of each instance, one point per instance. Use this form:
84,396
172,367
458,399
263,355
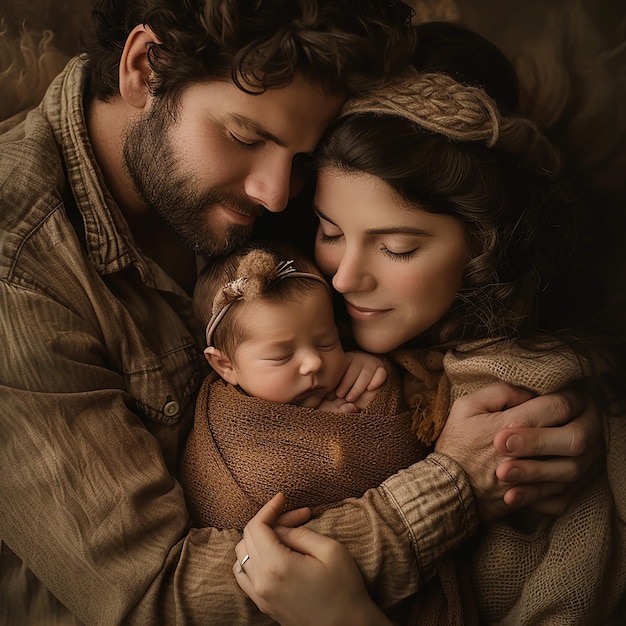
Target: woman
442,226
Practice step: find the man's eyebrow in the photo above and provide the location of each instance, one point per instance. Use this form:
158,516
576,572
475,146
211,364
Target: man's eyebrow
387,230
254,127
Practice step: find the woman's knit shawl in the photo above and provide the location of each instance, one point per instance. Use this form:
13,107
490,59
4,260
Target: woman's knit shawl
566,569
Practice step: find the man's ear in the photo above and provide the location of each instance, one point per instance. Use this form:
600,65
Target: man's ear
135,71
221,364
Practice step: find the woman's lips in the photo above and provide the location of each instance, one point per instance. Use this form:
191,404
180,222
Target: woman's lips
363,313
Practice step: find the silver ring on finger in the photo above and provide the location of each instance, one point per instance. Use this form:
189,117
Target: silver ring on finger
243,561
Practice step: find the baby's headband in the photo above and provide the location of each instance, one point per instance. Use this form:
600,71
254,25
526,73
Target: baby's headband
237,289
438,103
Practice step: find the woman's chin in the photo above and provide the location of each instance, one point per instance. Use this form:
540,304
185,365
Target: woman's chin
374,344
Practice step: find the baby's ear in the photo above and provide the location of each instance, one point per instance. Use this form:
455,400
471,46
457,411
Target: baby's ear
221,364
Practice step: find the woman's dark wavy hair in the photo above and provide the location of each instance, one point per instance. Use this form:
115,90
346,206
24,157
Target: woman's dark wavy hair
343,45
518,227
527,273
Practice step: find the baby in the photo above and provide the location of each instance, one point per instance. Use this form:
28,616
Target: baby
286,407
271,332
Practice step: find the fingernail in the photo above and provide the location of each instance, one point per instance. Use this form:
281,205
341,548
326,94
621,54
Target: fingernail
514,443
515,499
514,475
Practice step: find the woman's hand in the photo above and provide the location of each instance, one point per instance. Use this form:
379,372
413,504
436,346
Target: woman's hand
299,577
521,450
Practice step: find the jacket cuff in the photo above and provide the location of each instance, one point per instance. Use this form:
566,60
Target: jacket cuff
435,501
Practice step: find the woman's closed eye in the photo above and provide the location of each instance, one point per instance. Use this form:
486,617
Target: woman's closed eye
398,254
324,238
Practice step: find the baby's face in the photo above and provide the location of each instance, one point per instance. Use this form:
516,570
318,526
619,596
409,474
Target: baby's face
294,354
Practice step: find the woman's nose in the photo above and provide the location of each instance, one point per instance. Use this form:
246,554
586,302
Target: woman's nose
352,275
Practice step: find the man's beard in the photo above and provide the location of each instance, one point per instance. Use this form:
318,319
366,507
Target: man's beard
172,195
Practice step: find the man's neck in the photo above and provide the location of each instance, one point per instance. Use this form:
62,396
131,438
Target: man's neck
106,122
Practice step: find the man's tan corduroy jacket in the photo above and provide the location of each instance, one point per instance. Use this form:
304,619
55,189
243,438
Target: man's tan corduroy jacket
99,367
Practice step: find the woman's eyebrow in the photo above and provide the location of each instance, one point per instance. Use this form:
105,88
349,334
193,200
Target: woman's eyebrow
386,230
321,215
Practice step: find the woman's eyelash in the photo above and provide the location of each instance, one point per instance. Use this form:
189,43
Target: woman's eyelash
396,256
399,256
328,238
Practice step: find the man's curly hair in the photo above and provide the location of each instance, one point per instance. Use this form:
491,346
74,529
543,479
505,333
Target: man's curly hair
345,46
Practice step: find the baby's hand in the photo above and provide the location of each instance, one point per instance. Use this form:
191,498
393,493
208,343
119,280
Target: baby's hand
338,405
365,372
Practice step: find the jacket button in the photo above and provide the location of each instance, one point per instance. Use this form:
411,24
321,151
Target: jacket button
171,408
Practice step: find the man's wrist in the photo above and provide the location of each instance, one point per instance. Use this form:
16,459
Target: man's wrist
435,500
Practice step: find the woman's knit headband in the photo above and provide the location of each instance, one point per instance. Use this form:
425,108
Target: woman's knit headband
237,289
438,103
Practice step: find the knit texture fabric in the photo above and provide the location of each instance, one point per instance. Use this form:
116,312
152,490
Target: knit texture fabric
475,365
530,569
534,569
243,450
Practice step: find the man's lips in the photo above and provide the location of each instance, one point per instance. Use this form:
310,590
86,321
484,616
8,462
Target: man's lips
241,216
363,313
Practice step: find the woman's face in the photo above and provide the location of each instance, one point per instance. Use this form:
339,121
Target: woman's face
397,267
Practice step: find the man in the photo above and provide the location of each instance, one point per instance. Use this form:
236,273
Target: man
181,125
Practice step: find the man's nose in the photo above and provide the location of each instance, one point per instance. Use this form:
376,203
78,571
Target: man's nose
268,183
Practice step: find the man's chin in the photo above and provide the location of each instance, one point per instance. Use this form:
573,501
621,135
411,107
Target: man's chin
234,237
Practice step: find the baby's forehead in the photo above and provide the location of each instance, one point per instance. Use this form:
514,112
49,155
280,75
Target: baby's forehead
310,309
314,291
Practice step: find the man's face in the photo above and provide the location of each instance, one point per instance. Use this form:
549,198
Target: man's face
228,155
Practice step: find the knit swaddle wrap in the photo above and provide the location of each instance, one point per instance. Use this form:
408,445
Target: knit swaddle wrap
243,450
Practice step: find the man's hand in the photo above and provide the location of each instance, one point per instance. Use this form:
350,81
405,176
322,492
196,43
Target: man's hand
520,450
561,454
